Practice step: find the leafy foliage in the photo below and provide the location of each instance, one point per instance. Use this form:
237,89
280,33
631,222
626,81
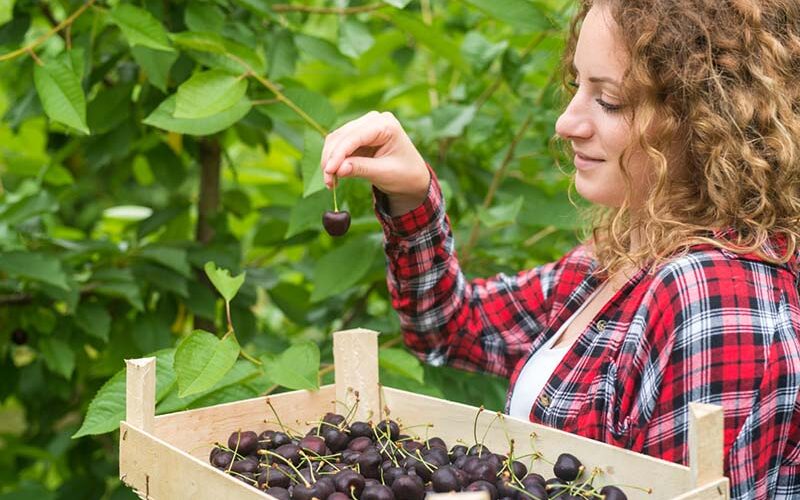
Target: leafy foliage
141,140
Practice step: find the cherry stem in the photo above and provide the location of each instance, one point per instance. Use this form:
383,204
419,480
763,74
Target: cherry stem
335,205
310,465
483,439
225,448
289,463
278,418
475,426
524,492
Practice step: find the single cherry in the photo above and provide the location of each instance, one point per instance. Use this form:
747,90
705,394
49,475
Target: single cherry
19,336
567,467
243,443
336,223
613,493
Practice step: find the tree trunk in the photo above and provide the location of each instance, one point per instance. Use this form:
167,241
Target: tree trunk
207,207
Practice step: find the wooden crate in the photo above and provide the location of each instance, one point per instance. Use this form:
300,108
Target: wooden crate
166,457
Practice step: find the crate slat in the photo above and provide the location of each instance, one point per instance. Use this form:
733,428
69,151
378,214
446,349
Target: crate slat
355,356
160,471
705,442
715,490
196,431
140,392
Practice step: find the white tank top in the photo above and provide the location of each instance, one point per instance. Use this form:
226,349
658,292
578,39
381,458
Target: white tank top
539,367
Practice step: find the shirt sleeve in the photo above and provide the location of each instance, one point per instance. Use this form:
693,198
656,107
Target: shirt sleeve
722,340
480,325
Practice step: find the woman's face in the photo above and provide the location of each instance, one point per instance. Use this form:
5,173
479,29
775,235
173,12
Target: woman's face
595,120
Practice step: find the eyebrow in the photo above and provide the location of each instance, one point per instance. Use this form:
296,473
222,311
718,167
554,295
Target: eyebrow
598,79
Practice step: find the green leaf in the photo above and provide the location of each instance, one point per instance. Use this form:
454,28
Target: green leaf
118,283
523,15
297,367
208,93
202,16
432,38
226,285
312,152
500,215
58,356
110,107
61,94
324,51
35,267
242,370
107,407
163,118
212,50
307,212
156,64
202,41
292,300
94,319
202,360
450,120
173,258
354,38
17,209
314,104
281,54
140,27
343,267
401,362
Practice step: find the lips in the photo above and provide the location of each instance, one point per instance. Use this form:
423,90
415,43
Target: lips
586,157
584,162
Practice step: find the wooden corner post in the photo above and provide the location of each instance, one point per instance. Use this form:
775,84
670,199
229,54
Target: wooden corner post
355,358
706,440
140,393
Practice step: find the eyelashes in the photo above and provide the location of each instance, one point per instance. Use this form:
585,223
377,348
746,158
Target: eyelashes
607,106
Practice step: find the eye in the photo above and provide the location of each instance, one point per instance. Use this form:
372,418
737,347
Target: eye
607,106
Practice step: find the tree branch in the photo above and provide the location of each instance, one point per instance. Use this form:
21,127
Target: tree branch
496,179
63,24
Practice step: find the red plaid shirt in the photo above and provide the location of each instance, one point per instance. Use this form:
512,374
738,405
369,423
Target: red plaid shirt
710,326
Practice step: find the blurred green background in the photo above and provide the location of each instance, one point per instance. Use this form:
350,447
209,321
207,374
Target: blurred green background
140,140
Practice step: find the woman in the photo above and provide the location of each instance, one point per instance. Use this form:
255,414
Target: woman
685,128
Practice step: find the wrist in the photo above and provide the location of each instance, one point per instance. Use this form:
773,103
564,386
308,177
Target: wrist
399,204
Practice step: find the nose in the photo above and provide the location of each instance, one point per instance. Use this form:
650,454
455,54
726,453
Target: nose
574,122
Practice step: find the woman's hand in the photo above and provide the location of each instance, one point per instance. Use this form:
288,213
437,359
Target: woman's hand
376,148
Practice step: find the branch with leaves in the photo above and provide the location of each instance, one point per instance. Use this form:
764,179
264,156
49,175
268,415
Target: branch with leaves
31,47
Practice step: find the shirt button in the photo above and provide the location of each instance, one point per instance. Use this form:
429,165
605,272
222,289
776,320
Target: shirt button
601,325
544,400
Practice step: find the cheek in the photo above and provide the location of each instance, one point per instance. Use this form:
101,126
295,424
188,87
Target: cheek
616,136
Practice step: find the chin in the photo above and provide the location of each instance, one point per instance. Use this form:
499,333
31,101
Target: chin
597,193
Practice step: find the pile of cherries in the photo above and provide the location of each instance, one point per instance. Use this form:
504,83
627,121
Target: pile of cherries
361,461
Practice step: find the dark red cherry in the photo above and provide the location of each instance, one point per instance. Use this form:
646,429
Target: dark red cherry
613,493
336,223
446,479
567,467
243,443
19,336
408,488
313,444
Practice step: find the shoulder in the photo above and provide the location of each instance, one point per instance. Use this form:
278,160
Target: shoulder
714,287
710,266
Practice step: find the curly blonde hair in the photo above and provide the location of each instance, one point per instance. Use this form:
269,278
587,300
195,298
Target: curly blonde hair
713,89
